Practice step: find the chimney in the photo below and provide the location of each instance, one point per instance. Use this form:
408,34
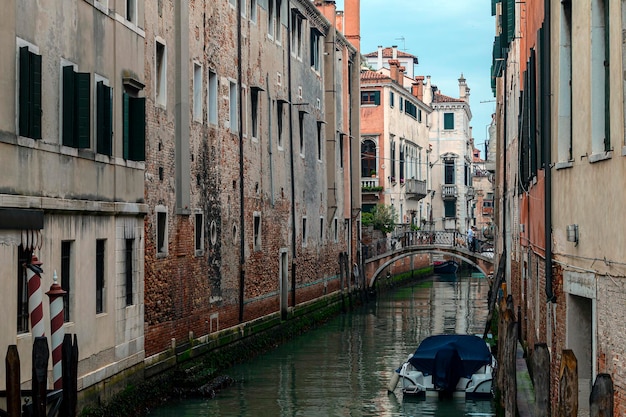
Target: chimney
394,54
463,89
428,92
393,69
380,57
401,71
418,87
352,25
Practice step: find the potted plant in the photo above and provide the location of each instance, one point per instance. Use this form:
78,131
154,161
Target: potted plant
373,173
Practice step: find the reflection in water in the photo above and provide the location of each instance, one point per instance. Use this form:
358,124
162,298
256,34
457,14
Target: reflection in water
343,368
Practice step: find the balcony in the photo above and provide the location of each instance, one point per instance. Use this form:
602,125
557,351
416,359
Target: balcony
370,190
415,189
449,191
470,193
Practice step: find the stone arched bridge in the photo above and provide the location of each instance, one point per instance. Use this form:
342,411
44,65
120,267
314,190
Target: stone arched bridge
382,253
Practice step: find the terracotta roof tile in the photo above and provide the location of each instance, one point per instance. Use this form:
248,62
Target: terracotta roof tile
373,75
440,98
388,54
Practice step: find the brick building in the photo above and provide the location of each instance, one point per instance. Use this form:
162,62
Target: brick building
251,161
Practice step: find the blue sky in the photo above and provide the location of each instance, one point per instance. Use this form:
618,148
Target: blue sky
449,37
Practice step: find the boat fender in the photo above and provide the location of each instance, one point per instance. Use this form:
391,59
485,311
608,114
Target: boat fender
393,382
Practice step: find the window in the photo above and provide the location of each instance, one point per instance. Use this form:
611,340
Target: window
161,76
128,271
254,111
134,130
410,109
131,11
253,11
104,118
232,109
304,231
66,270
401,104
368,158
30,94
391,99
392,149
321,229
301,131
257,230
449,172
315,50
370,98
278,9
448,121
319,141
402,163
22,290
419,116
341,136
199,233
449,208
197,92
296,34
271,19
279,121
100,246
336,229
161,232
76,108
212,98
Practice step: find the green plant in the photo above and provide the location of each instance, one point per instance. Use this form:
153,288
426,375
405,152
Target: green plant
384,218
414,227
372,188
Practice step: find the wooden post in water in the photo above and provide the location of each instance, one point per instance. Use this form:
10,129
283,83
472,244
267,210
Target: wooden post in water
510,408
568,385
41,354
540,363
70,376
601,399
14,398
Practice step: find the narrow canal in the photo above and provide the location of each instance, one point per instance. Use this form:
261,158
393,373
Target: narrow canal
343,368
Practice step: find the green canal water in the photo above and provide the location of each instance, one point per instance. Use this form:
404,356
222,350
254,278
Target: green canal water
343,368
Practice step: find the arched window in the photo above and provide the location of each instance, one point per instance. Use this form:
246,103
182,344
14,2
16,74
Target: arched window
368,157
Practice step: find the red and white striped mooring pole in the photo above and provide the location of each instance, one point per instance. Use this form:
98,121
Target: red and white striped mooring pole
56,294
35,296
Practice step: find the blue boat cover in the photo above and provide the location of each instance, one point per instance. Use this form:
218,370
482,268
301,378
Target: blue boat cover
449,356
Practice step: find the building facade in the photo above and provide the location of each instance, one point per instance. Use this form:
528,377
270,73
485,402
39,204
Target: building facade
560,119
72,191
252,170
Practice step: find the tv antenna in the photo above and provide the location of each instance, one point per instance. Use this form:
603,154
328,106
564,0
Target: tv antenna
401,38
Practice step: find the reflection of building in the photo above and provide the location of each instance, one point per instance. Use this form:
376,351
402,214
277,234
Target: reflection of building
72,136
451,158
394,141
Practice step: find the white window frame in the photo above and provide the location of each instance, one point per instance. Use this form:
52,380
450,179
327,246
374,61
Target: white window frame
257,234
163,251
253,11
160,78
232,106
131,15
197,92
212,97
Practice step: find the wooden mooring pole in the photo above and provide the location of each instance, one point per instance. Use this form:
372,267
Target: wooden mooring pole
601,399
41,354
568,385
540,362
12,362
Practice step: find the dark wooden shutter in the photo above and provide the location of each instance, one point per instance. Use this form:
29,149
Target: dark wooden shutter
607,80
68,106
25,96
137,151
377,97
83,109
35,111
29,122
103,117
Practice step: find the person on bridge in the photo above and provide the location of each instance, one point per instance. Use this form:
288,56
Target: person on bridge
470,239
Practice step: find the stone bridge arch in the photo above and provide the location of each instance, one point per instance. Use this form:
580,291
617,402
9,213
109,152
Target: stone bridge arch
376,265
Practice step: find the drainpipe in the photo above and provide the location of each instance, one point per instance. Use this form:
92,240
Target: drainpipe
547,158
242,258
291,162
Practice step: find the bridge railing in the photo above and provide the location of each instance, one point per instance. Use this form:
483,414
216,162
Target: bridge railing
398,240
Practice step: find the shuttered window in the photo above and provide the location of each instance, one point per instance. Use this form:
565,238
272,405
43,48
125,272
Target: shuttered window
104,122
76,108
448,121
370,98
134,115
30,94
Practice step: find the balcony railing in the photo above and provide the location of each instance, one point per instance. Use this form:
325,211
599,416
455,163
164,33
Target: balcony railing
415,189
449,191
369,182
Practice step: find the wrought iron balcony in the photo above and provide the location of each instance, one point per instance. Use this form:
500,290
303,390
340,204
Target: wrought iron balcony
415,189
449,191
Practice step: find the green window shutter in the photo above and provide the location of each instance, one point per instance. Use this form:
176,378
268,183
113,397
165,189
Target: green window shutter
68,107
448,121
510,19
377,98
25,96
83,109
126,122
100,125
35,110
137,151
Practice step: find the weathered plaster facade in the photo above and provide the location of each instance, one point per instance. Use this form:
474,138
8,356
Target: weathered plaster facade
90,199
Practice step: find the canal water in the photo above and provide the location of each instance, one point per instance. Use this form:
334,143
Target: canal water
343,368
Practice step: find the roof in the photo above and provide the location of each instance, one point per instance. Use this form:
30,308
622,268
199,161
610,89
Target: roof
388,53
369,75
441,98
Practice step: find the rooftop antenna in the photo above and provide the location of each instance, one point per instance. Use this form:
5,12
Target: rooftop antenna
401,38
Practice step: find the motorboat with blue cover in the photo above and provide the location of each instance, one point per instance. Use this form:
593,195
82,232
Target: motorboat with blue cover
447,364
